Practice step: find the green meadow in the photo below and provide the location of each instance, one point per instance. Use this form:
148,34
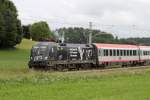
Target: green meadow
17,82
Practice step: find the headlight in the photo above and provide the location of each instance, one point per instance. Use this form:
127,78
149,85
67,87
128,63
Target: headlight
46,58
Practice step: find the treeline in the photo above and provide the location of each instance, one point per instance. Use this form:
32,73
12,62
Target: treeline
81,35
137,41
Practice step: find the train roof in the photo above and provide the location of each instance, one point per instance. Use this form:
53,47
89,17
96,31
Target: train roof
144,47
45,44
123,46
76,45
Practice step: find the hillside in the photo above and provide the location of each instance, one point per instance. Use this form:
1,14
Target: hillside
15,59
26,44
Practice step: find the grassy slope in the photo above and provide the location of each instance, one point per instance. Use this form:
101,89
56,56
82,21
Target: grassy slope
19,83
16,59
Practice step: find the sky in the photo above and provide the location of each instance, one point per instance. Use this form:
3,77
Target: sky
123,18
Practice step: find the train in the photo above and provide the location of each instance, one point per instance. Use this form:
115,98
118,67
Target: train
67,56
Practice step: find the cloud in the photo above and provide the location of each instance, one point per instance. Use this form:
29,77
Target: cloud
122,14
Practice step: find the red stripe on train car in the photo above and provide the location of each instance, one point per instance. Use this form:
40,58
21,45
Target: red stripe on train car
124,61
101,45
119,61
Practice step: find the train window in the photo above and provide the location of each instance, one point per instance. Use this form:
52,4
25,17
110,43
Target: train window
99,52
128,53
121,52
111,53
106,52
144,52
114,52
125,53
134,53
117,52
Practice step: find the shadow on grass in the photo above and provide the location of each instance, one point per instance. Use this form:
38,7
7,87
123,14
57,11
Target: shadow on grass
9,49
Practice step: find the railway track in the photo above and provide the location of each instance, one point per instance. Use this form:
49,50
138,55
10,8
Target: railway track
107,69
125,68
137,69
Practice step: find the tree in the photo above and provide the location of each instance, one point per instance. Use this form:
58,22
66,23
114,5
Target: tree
40,31
103,37
74,35
10,25
26,31
81,35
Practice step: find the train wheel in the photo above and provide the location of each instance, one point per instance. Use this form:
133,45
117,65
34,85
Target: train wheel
60,67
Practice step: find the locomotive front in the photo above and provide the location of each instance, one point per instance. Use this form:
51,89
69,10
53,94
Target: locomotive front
41,54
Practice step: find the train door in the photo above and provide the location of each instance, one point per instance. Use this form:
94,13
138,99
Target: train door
53,52
139,54
100,54
62,53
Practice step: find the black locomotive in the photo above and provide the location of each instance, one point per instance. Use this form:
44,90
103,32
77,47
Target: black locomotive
60,56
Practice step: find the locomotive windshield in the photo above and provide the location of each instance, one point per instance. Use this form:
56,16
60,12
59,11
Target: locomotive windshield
39,53
39,50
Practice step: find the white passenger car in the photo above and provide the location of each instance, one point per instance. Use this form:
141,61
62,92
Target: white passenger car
117,53
144,54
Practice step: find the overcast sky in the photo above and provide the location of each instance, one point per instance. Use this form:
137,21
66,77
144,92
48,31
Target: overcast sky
124,18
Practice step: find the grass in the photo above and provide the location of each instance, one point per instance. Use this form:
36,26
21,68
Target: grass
16,57
17,82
